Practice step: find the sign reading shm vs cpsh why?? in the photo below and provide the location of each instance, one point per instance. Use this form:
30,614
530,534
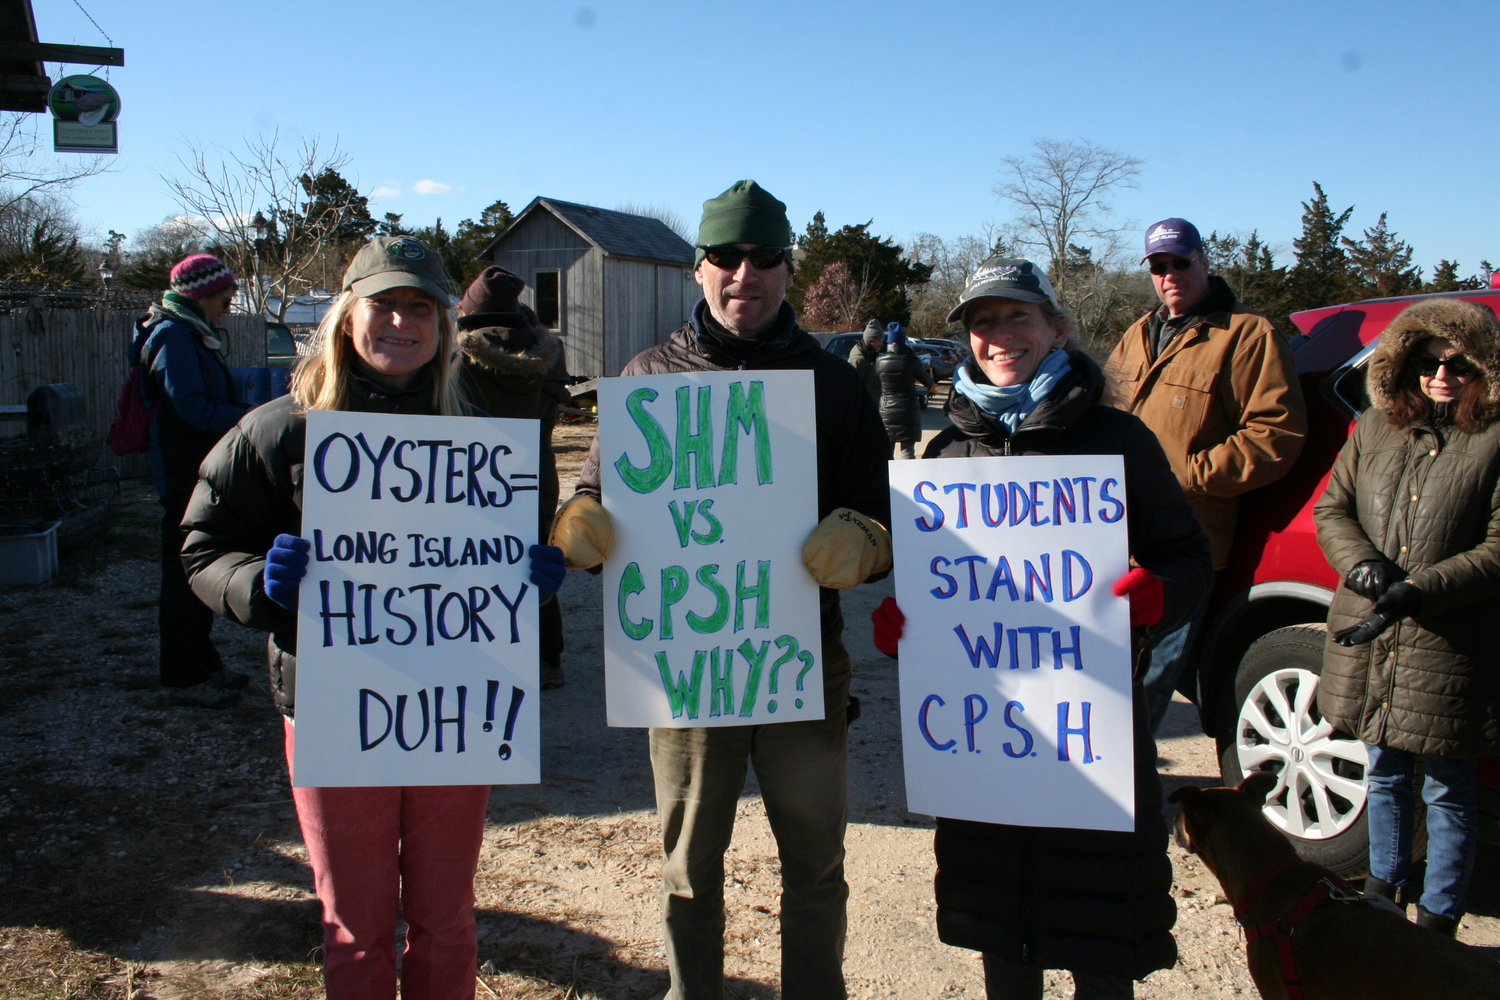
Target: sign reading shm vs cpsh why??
710,617
417,652
1015,659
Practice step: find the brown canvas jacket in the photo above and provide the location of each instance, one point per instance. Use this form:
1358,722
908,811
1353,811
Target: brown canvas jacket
1223,400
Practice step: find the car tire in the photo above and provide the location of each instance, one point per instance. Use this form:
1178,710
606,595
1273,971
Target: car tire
1275,725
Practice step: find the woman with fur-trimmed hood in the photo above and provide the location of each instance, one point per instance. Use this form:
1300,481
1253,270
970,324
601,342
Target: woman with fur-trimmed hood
511,366
1411,522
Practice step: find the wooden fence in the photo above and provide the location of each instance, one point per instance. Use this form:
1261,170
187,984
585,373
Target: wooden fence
89,347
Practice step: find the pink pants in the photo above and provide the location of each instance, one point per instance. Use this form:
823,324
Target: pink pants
374,849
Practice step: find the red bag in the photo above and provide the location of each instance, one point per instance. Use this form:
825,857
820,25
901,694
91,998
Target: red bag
130,431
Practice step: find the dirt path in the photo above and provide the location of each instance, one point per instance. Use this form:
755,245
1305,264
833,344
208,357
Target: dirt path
153,849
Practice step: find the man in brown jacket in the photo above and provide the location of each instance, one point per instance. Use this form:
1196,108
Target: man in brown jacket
1216,384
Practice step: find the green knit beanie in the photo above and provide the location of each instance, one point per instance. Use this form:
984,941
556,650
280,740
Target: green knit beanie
746,213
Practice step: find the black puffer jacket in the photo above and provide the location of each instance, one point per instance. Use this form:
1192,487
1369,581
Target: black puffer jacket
900,372
1427,498
249,492
1084,900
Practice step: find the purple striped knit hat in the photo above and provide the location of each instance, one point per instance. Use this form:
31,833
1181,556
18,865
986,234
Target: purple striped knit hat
200,276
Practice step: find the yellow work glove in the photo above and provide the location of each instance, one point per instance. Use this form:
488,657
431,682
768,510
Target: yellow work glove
846,549
584,531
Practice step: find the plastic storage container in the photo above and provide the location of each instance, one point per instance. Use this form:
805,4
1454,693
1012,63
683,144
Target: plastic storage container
28,551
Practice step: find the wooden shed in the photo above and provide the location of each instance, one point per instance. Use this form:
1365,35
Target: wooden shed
610,283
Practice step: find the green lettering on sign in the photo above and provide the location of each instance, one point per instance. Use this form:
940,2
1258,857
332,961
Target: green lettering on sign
749,414
714,621
699,446
683,692
653,475
631,583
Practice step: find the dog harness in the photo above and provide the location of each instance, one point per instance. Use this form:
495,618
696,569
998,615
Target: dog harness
1280,930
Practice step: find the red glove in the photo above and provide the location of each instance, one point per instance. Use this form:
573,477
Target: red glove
889,624
1146,595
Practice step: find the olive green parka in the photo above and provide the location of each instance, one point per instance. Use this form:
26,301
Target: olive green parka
1427,498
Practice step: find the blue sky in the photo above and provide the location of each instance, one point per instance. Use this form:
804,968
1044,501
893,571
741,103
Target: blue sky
896,112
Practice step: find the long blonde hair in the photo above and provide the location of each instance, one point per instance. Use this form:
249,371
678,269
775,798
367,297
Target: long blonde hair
321,379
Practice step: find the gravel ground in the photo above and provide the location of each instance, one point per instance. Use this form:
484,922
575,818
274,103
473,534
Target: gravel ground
151,851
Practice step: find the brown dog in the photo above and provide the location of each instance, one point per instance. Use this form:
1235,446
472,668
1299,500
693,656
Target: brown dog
1309,935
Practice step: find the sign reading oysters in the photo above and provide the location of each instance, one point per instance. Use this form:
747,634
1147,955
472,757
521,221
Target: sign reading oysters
417,624
710,617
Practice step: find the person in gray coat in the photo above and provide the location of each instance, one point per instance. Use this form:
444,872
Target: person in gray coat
864,355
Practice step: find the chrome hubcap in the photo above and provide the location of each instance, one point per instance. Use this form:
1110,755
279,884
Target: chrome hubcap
1320,791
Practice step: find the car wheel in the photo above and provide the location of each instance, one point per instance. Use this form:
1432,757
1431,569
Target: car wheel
1319,798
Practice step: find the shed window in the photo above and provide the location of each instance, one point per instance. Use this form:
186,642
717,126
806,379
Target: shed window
549,298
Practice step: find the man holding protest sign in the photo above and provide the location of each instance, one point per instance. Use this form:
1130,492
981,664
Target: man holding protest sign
385,349
1215,383
744,324
1098,900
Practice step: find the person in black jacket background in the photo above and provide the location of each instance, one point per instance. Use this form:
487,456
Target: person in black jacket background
900,371
1095,902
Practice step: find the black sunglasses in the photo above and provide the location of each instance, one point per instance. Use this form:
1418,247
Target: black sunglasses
730,257
1176,263
1458,366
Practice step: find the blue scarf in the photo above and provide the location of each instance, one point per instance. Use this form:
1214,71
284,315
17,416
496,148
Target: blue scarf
1011,404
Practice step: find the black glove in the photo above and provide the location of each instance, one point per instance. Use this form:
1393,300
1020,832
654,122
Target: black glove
1400,601
1371,578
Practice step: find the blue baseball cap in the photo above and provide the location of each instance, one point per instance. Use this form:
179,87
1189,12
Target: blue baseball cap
1175,236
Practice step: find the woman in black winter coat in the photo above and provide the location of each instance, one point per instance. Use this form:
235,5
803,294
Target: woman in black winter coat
386,346
1097,903
900,371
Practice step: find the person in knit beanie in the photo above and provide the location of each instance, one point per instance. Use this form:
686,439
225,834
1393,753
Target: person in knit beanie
865,353
182,349
511,366
745,325
900,370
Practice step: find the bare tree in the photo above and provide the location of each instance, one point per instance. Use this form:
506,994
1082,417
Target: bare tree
25,172
952,262
1062,190
256,209
667,216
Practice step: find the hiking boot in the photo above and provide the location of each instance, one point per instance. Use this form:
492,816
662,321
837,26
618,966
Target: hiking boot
229,680
1446,926
552,676
205,695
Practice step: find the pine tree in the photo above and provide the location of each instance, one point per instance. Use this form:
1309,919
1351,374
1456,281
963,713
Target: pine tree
1321,275
1380,264
472,237
875,264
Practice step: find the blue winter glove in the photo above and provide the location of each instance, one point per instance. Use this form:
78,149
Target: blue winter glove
547,569
286,565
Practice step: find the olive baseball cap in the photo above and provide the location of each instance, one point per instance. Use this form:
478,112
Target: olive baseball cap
398,262
1005,278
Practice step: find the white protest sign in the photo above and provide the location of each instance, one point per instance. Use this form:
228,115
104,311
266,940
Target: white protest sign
710,618
417,624
1015,660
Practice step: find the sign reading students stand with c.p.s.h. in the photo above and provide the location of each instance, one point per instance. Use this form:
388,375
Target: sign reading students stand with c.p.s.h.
1015,659
417,622
710,617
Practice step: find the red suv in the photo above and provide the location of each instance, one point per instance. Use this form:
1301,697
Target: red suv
1261,654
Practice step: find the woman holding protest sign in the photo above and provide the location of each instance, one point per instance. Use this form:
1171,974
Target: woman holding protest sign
1094,902
386,346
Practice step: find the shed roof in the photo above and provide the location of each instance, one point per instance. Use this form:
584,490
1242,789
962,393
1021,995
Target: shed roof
618,234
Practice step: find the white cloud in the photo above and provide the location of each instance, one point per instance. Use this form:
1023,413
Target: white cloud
432,187
386,191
